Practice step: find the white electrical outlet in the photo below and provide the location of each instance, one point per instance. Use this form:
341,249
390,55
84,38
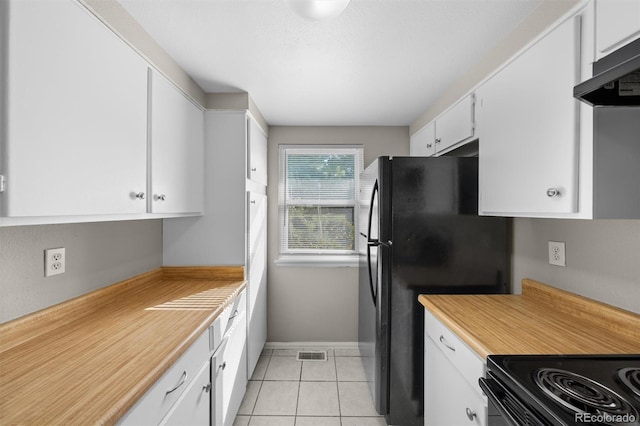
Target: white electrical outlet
54,261
557,254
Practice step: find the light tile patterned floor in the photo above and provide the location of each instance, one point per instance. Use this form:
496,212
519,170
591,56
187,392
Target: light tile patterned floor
286,392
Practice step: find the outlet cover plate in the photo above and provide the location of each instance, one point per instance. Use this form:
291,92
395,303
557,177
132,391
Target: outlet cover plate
54,261
557,253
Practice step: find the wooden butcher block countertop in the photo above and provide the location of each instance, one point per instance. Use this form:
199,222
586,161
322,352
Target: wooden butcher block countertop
543,320
88,360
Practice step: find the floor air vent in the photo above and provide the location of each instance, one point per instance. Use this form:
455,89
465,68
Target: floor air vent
311,356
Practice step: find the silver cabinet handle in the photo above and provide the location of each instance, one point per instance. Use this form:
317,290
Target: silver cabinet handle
553,192
429,145
444,342
471,414
253,169
183,379
140,195
160,197
222,366
235,314
438,140
207,387
253,201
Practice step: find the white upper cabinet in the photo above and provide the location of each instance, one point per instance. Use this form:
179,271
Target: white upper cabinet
455,125
75,114
423,142
176,150
617,23
527,124
257,155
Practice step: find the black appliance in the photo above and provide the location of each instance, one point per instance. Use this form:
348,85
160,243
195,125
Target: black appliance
616,79
561,390
419,233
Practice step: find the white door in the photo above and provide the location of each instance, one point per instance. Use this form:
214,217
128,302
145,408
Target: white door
257,158
423,141
257,274
176,149
527,123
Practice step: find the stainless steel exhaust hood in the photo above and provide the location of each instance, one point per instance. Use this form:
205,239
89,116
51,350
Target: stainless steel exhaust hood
616,79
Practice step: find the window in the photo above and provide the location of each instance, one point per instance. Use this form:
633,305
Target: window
318,192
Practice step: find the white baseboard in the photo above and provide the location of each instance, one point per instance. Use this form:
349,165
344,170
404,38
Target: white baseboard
311,345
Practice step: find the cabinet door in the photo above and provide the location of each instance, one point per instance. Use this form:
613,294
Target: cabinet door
423,141
76,112
448,398
176,149
455,125
229,373
527,123
257,155
194,407
257,287
617,23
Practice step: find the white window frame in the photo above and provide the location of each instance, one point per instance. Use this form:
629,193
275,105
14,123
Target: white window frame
315,257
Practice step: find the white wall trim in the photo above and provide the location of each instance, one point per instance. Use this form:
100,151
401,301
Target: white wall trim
309,345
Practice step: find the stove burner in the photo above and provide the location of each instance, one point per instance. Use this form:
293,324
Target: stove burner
630,378
582,395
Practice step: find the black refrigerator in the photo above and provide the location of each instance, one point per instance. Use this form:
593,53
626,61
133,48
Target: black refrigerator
419,232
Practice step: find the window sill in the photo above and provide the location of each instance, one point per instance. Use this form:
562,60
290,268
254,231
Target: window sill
305,261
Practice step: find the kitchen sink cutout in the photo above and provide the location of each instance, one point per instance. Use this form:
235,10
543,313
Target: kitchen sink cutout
311,356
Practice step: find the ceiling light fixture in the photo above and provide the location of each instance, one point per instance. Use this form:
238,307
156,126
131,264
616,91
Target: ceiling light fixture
317,10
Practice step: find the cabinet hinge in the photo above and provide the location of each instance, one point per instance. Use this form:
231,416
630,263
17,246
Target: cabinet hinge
2,183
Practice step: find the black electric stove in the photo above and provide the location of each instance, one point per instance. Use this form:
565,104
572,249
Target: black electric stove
550,390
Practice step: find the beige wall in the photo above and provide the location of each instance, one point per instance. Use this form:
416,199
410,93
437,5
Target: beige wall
603,257
318,304
97,255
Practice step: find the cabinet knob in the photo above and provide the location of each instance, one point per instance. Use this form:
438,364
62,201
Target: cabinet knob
160,197
253,169
222,366
429,145
207,387
252,201
438,140
140,195
553,192
471,414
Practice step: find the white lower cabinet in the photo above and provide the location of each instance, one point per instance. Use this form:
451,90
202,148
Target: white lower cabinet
161,398
229,373
452,396
206,385
193,408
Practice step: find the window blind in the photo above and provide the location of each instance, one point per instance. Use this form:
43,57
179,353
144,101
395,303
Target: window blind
318,190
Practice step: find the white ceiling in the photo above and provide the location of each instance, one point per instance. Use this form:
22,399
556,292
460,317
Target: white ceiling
382,62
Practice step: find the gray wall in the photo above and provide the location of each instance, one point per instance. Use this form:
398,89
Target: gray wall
97,255
318,304
603,257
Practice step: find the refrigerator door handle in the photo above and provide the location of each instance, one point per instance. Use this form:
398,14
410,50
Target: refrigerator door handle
373,197
371,243
374,297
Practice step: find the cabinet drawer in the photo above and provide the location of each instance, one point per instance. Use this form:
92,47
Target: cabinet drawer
194,406
154,404
449,399
226,319
470,365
